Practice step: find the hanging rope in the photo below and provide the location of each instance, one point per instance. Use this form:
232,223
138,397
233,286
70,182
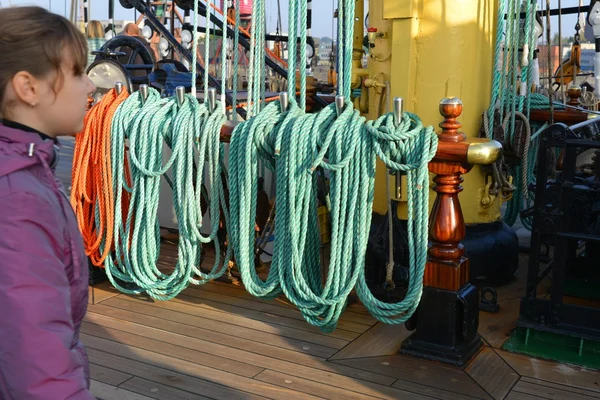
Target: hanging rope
514,102
294,144
91,197
133,183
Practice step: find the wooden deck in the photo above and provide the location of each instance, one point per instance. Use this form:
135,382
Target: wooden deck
218,342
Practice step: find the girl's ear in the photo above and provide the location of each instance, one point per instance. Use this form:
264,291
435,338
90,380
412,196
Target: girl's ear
26,88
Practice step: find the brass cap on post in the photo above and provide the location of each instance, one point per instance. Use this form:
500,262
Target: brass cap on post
450,109
483,151
479,151
574,93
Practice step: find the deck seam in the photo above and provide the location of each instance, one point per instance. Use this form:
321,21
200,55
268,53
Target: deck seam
259,311
420,383
214,331
567,387
317,368
162,354
172,369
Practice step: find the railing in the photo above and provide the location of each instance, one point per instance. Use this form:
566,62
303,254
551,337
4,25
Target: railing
447,319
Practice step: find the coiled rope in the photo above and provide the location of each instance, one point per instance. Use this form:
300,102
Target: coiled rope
91,195
294,144
132,182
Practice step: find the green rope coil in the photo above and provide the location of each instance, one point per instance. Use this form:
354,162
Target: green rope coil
294,144
192,133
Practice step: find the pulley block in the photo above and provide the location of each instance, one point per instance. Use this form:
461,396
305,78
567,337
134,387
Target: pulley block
126,4
185,4
105,73
132,53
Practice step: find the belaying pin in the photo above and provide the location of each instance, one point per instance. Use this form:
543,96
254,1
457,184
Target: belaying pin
398,110
339,104
212,99
284,101
119,87
180,93
144,93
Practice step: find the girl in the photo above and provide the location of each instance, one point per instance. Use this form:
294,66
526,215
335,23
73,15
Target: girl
43,268
95,39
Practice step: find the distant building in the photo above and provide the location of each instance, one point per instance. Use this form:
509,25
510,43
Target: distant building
324,53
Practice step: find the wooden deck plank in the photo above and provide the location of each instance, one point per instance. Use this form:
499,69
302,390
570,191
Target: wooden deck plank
241,292
380,340
264,317
328,392
100,292
108,392
357,306
238,320
561,387
553,392
516,289
415,370
551,371
521,396
184,375
495,328
306,386
267,308
108,375
158,391
425,390
218,327
188,331
492,373
308,366
159,347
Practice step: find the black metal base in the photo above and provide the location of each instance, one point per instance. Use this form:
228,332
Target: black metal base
446,326
493,253
458,355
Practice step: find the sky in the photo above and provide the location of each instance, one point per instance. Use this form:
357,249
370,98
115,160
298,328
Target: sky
322,12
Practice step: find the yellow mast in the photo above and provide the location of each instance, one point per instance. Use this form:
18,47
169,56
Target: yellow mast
428,50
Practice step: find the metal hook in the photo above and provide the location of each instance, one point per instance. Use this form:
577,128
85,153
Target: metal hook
180,93
398,110
212,99
284,101
144,93
119,87
339,104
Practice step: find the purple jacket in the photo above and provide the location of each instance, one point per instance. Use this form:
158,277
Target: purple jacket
43,277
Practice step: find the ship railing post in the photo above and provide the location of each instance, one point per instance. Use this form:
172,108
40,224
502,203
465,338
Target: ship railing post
447,319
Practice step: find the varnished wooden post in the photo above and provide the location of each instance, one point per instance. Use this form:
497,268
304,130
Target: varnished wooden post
447,268
567,116
574,94
447,319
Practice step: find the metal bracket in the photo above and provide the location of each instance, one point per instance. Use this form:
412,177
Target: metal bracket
489,304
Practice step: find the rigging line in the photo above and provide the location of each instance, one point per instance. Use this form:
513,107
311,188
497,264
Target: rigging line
279,23
548,49
560,56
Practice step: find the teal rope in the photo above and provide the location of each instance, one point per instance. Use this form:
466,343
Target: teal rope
191,132
236,58
206,44
195,52
294,144
505,97
347,147
224,56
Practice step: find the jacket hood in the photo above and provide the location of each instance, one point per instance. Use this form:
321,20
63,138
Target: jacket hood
20,150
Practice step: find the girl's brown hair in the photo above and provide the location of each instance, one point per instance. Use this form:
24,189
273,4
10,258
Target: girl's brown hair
94,30
35,40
